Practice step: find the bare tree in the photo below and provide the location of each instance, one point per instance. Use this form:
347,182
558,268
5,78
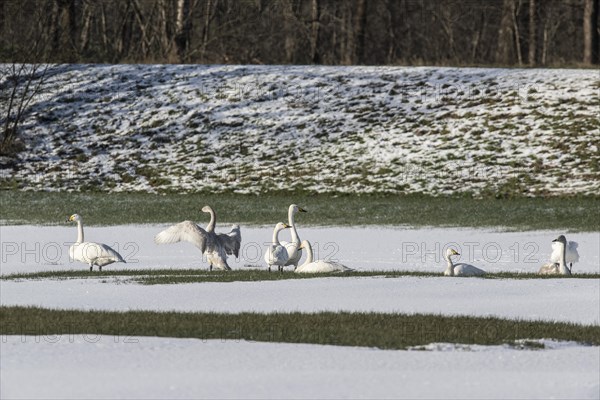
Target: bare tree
590,32
21,84
505,33
182,28
315,13
532,45
360,22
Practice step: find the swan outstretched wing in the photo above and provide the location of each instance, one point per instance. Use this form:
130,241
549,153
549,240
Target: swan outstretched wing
231,241
186,231
571,254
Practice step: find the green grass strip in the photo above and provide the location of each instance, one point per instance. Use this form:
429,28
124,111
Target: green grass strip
561,214
381,330
176,276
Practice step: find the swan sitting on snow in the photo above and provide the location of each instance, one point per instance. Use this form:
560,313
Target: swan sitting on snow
460,269
293,247
277,254
89,252
215,246
559,268
319,266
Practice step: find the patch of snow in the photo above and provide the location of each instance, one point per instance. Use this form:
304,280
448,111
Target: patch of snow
96,366
565,300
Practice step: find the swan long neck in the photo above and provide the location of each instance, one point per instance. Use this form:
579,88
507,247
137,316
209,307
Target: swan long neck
213,220
450,269
276,236
79,232
309,253
564,270
292,223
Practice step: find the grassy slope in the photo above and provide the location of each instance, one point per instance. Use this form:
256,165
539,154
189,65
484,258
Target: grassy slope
176,276
256,129
387,331
565,214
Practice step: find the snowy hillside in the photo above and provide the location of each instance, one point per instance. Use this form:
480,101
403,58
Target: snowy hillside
253,129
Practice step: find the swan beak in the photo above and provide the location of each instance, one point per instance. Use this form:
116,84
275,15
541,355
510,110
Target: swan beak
286,226
456,253
300,209
555,240
69,219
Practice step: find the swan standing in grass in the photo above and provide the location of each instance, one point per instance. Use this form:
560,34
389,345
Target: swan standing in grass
293,247
559,268
571,253
277,254
214,246
319,266
89,252
460,269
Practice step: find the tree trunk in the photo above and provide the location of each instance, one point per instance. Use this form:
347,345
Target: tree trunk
3,31
590,32
163,30
505,33
206,30
545,44
73,12
391,47
360,22
475,42
182,28
517,35
289,42
103,28
315,13
531,59
85,29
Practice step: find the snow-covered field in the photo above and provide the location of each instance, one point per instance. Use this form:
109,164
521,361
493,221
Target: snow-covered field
42,248
45,248
251,129
93,366
565,300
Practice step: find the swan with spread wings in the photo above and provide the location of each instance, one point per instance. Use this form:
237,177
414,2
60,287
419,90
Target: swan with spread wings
216,246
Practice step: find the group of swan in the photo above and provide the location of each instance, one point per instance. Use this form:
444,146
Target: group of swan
283,254
217,246
563,252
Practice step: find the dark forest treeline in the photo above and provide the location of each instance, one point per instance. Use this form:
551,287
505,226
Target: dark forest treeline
444,32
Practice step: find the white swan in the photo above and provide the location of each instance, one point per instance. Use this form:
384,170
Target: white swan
214,246
231,241
319,266
559,268
89,252
571,253
460,269
293,247
277,254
